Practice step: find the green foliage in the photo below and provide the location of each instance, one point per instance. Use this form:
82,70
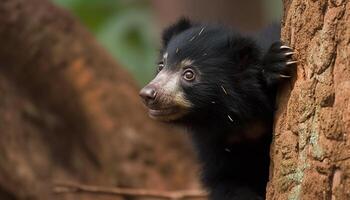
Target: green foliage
125,28
273,10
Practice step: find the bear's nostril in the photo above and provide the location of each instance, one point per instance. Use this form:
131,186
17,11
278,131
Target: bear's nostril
148,94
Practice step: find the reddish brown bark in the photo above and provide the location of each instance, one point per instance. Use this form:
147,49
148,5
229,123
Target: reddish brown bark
311,148
68,112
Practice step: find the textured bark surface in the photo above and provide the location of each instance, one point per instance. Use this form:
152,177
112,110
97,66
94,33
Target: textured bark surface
311,148
68,112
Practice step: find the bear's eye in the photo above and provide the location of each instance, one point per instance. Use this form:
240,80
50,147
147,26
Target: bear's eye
189,75
160,66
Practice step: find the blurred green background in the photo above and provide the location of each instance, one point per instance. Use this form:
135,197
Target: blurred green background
125,28
128,29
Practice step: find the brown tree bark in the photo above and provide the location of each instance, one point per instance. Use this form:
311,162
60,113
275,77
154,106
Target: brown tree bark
69,112
311,148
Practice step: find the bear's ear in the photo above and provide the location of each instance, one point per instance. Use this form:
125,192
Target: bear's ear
181,25
244,52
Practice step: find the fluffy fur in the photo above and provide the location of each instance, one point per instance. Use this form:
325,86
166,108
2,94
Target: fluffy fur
230,102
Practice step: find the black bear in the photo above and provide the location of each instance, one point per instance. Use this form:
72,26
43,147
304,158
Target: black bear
221,86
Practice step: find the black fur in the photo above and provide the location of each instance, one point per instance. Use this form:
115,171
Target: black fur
175,29
232,104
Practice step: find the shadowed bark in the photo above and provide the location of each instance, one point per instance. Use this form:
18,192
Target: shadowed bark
69,112
311,149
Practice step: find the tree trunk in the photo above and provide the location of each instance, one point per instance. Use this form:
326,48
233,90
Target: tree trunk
311,147
68,112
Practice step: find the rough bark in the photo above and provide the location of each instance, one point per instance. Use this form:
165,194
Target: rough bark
69,112
311,147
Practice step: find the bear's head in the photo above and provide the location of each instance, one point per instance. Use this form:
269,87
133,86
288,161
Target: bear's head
204,72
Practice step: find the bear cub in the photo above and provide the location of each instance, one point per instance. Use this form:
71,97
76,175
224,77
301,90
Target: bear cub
221,86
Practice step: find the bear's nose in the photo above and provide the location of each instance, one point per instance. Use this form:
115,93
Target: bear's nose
148,94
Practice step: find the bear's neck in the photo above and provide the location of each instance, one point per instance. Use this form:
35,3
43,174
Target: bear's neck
229,157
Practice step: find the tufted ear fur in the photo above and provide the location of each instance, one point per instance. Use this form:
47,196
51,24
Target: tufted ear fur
181,25
244,52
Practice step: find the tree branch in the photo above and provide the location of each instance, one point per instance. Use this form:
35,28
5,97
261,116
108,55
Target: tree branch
69,187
